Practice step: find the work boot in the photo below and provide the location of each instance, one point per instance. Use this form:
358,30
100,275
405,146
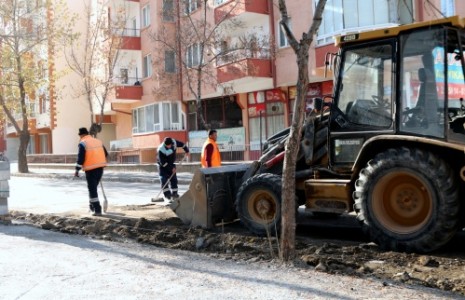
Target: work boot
175,195
97,209
167,198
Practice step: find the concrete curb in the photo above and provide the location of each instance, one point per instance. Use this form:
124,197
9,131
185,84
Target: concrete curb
122,168
126,177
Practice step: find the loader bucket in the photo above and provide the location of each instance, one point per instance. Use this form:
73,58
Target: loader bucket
211,195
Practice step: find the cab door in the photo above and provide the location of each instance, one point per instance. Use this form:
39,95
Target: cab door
364,100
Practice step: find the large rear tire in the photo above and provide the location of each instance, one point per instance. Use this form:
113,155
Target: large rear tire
258,203
407,200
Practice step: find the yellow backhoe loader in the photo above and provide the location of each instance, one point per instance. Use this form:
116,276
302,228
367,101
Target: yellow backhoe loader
390,148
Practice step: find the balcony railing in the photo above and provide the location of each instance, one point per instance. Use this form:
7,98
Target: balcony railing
242,54
123,80
243,8
132,32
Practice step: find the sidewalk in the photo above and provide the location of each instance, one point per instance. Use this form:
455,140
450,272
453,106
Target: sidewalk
111,173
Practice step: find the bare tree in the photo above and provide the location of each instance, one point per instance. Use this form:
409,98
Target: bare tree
27,39
301,49
199,45
95,60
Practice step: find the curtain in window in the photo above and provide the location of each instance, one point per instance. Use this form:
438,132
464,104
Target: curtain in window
141,120
43,143
196,55
168,10
149,120
175,112
254,131
170,66
275,117
134,120
166,116
156,117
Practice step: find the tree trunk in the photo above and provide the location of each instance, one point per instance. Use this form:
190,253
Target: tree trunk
290,160
24,138
301,49
200,112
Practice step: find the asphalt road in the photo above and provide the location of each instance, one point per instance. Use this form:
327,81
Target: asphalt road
50,195
40,264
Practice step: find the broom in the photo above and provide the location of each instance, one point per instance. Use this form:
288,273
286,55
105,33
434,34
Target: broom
157,198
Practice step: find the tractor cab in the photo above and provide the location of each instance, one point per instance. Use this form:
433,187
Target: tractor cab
408,84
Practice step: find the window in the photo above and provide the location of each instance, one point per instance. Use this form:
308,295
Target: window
43,138
168,10
133,31
282,35
224,54
448,7
425,94
147,67
266,116
342,15
218,113
366,99
146,16
44,104
170,64
123,75
31,147
191,5
192,116
193,55
157,117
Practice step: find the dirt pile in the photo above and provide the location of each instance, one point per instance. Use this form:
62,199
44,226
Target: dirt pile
444,270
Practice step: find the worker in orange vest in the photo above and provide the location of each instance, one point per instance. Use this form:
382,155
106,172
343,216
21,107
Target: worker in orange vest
210,156
92,158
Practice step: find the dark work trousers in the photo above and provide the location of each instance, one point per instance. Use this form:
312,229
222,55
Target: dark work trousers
164,176
93,178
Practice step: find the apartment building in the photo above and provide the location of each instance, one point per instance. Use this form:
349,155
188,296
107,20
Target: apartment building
247,96
245,104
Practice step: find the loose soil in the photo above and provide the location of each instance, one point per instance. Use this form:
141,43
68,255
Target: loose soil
443,270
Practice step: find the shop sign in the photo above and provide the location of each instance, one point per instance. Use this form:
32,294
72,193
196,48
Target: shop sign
229,139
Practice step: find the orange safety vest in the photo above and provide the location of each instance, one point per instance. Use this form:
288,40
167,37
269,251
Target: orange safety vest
216,157
95,155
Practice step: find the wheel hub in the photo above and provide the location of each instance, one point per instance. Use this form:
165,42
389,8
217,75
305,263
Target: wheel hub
263,207
407,200
403,203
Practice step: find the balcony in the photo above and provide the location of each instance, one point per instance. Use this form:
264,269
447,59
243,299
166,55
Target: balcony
131,38
127,90
246,10
240,66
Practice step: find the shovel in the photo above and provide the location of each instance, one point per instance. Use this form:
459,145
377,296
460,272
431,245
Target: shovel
105,201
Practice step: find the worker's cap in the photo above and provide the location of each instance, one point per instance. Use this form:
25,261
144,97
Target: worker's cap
168,141
83,131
